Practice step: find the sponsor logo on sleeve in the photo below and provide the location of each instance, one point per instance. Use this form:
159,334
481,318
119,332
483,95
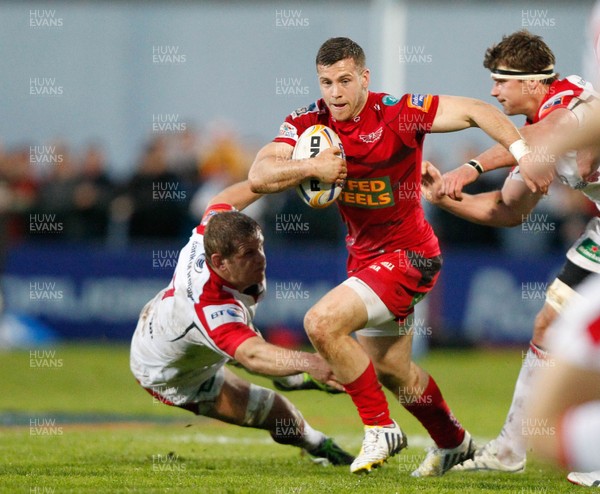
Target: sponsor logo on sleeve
420,101
217,315
553,104
304,109
288,131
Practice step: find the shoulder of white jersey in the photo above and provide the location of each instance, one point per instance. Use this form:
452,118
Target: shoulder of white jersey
569,93
587,100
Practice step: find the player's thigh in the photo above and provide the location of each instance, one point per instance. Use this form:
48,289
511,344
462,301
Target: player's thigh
243,403
339,311
400,280
389,346
232,401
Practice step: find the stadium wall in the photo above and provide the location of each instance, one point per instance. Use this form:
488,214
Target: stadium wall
82,292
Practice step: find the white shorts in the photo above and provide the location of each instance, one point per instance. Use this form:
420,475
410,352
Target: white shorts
381,321
160,378
585,252
575,335
201,395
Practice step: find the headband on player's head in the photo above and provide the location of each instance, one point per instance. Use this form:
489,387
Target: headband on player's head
503,72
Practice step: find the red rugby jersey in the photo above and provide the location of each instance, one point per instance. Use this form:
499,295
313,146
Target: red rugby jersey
381,200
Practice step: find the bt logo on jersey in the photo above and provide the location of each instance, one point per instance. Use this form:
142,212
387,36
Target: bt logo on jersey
217,315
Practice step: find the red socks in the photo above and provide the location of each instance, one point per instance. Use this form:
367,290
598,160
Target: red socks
433,412
369,399
430,409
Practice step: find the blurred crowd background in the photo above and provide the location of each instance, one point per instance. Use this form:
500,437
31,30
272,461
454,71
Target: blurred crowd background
174,176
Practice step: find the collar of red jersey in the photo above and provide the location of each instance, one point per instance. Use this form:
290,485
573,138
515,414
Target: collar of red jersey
504,72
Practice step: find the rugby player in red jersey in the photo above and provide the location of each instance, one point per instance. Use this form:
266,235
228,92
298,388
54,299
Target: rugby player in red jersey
525,83
394,257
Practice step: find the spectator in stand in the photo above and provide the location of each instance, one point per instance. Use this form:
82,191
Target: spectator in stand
225,162
18,194
183,156
59,178
154,198
91,196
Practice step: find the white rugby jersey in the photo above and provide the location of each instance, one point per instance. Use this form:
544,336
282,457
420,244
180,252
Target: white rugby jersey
575,94
193,327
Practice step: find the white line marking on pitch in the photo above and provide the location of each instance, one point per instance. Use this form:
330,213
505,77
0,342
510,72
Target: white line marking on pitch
415,441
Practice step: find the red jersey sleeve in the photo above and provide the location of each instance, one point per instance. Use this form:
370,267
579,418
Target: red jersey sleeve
415,116
229,337
225,325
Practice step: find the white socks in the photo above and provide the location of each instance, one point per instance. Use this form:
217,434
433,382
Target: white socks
312,437
512,440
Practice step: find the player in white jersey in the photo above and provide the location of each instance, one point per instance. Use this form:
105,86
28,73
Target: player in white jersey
578,349
203,319
566,401
524,82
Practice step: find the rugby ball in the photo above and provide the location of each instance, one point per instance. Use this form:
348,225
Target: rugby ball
311,142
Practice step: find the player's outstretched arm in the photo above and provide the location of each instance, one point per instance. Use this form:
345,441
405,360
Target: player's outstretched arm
501,208
238,195
262,357
274,169
546,130
458,113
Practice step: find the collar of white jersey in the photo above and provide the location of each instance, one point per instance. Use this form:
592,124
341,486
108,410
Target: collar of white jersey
504,72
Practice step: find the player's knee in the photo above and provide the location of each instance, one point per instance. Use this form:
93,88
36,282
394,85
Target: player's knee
317,327
259,406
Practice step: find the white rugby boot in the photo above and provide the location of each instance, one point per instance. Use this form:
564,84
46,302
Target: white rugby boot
590,479
379,444
486,460
439,460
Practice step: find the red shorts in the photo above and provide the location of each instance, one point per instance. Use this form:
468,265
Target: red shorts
400,279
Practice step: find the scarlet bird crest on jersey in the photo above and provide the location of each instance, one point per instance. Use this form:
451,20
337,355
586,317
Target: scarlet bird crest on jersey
372,137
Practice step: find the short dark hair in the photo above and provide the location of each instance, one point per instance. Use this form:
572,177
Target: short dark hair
336,49
226,231
521,50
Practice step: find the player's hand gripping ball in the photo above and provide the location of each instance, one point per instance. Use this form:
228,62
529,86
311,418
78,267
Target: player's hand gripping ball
313,140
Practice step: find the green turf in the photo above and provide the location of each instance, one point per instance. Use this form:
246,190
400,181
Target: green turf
140,445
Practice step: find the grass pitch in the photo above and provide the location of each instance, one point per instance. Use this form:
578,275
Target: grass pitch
73,420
